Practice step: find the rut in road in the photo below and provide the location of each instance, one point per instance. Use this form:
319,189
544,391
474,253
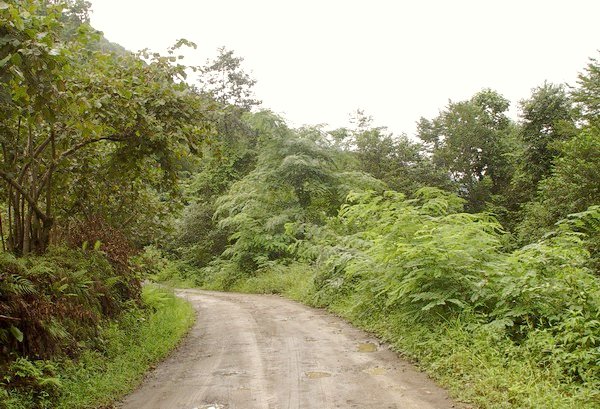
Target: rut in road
265,352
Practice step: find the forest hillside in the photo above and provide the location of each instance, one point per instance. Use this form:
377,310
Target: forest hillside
472,247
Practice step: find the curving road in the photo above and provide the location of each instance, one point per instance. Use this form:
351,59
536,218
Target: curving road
265,352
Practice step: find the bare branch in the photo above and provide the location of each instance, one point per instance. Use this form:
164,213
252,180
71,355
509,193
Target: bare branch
5,317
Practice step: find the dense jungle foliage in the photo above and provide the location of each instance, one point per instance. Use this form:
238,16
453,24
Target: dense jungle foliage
92,139
473,248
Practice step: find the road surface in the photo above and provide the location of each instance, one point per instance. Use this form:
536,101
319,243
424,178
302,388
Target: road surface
265,352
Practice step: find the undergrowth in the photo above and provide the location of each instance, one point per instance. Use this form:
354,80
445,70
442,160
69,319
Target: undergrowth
51,305
289,281
126,349
477,363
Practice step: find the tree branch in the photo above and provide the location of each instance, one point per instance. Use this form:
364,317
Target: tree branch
83,144
5,317
70,152
30,200
34,155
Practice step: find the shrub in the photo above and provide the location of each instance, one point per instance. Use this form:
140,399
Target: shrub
421,260
52,304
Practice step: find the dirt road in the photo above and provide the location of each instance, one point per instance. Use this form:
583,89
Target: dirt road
265,352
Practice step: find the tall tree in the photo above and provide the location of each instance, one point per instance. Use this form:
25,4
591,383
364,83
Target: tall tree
546,118
395,160
587,93
470,140
572,185
231,156
226,81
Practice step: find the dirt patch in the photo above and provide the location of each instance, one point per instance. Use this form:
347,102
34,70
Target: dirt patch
376,370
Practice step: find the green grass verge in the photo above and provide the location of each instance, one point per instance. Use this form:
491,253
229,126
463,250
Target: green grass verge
124,350
476,364
132,346
289,281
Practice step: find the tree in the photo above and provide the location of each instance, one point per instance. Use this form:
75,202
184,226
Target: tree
587,93
231,156
546,118
61,100
226,83
224,80
395,160
572,184
470,140
296,181
572,187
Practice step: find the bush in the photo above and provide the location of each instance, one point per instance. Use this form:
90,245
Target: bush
97,233
36,381
126,349
52,304
156,265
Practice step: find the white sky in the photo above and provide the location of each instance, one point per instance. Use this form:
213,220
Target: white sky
318,61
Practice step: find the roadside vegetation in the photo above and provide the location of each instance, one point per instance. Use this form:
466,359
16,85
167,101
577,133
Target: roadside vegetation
473,248
133,345
124,350
92,138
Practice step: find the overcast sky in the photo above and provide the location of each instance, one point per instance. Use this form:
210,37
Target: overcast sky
318,61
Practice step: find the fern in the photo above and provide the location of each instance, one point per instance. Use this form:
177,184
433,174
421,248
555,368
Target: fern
16,285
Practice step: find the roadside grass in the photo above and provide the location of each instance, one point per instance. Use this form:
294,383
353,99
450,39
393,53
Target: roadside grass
475,363
135,343
175,282
174,274
289,281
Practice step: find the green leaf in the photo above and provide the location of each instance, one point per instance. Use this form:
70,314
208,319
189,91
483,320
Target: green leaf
5,60
16,332
50,382
17,59
19,23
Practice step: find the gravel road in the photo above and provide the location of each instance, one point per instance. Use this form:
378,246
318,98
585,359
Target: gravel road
265,352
